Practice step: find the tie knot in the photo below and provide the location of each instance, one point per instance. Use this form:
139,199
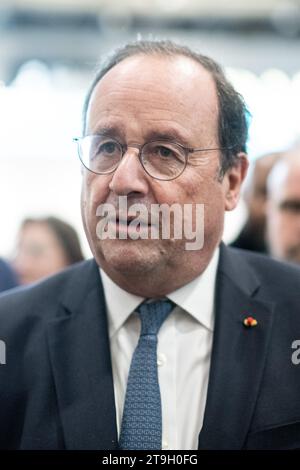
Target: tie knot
153,314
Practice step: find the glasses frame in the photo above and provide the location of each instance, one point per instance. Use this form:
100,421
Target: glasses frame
187,151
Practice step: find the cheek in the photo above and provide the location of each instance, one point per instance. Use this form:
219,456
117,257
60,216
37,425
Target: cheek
206,190
278,230
196,190
183,190
190,188
277,223
286,229
94,192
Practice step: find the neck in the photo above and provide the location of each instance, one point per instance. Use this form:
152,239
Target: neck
156,283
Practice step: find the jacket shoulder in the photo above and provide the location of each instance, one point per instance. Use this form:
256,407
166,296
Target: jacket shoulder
265,267
262,276
42,297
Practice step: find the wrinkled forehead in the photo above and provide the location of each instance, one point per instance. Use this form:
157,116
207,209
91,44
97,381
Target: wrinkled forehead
160,82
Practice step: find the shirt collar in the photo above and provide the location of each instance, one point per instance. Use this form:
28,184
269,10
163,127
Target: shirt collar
119,303
196,298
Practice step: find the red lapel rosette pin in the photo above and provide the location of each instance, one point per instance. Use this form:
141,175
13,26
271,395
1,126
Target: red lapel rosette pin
250,322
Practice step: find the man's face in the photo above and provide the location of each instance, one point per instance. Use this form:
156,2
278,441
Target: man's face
141,99
283,221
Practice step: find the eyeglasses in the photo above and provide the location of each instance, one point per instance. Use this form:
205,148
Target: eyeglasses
161,159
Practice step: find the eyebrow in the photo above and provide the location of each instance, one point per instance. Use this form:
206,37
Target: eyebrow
108,130
168,134
290,204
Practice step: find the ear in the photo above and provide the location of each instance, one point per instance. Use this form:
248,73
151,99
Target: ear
232,181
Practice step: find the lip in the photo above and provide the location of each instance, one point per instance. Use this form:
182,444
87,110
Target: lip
125,219
122,225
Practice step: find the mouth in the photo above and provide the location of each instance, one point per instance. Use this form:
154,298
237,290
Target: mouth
127,226
126,220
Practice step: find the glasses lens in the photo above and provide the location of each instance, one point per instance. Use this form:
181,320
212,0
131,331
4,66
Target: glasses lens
163,160
100,154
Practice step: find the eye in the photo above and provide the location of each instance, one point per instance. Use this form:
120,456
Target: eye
107,148
169,152
165,152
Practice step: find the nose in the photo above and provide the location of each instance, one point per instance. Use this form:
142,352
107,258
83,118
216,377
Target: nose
129,177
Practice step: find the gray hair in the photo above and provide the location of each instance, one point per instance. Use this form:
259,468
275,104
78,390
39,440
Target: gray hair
232,119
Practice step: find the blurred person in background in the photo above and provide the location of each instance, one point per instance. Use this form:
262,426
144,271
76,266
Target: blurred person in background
252,235
45,247
283,210
8,278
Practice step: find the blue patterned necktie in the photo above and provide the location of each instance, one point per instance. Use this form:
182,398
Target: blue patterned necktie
142,419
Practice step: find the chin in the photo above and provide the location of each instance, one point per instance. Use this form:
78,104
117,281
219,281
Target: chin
128,256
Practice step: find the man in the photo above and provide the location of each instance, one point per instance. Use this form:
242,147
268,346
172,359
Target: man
8,279
253,234
168,347
283,215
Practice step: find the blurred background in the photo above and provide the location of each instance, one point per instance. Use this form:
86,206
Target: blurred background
49,50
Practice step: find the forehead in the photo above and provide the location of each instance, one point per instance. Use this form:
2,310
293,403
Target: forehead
288,183
158,88
292,182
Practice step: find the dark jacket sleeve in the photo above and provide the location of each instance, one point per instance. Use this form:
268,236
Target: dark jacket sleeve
8,278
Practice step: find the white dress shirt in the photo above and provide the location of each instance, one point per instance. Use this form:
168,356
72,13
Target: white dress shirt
183,353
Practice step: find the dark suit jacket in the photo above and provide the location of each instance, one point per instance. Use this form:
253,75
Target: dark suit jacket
247,240
57,391
8,279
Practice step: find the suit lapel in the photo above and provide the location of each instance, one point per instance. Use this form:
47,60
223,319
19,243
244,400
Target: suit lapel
80,356
238,355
